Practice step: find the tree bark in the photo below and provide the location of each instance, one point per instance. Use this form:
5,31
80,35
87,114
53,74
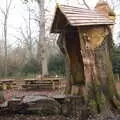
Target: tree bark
41,50
91,69
6,14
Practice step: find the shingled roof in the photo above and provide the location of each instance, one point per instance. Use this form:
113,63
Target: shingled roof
74,16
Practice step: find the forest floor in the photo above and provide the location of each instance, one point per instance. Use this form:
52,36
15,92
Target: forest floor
32,117
57,117
106,115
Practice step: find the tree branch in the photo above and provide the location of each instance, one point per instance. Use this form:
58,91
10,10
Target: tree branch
3,12
86,4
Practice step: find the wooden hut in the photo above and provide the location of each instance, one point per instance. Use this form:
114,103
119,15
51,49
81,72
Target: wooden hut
85,39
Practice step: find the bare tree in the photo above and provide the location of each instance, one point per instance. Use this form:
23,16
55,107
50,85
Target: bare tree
26,34
29,36
84,3
5,32
41,50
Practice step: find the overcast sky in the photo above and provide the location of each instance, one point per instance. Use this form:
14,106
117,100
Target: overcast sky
18,11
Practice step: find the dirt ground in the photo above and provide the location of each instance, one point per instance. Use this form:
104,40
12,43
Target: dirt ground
33,117
8,94
57,117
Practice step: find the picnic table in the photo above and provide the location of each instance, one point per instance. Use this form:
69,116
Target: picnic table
45,83
6,84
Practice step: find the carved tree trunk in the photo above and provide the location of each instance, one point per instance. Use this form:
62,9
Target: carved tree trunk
90,66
